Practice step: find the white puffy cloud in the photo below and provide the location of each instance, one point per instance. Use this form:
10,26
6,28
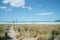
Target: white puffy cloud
45,13
15,3
3,7
23,6
30,8
6,1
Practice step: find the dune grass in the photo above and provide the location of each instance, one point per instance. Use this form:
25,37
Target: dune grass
31,30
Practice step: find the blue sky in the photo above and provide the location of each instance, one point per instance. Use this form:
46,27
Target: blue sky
29,10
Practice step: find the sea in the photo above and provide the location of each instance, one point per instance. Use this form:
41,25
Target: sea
27,22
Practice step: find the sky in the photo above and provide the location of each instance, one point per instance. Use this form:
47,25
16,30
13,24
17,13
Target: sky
29,10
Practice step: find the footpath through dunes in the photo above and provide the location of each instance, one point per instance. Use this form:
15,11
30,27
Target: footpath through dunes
30,31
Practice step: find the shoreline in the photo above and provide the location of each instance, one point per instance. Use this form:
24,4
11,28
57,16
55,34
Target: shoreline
30,23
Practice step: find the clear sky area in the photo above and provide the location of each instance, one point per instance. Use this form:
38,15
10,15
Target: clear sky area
29,10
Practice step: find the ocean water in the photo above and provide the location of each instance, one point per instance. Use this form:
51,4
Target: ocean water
29,22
